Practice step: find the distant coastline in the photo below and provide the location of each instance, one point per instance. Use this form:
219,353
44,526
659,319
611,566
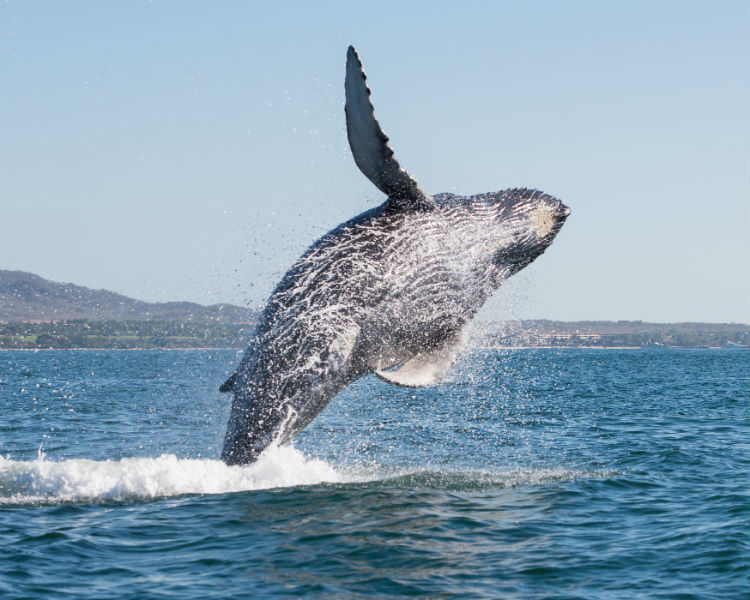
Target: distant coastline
38,314
84,334
469,348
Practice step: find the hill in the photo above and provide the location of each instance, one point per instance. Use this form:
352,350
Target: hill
37,313
28,297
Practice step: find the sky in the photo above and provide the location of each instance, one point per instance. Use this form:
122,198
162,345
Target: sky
193,150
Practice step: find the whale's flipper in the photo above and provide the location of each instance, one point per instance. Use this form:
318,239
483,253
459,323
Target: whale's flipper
369,144
426,368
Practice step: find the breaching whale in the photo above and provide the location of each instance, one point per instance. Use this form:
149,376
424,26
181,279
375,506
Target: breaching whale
392,287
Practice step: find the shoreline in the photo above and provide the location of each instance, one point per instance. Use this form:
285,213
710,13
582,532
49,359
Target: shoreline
115,349
468,349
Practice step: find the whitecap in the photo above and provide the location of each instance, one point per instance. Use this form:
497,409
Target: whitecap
81,479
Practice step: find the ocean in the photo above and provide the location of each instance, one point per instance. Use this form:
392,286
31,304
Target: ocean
571,473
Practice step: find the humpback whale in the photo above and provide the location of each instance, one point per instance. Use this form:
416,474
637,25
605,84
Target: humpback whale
388,292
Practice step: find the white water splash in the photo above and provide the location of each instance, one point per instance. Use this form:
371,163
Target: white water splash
23,482
83,480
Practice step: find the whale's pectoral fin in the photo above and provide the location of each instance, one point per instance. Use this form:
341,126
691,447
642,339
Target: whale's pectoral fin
425,368
369,144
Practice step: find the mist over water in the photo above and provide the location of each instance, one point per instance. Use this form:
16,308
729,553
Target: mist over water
528,473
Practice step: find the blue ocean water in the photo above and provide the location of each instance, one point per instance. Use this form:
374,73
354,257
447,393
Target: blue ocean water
529,474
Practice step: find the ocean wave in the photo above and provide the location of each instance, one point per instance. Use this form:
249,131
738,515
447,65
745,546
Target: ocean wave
453,480
41,480
83,480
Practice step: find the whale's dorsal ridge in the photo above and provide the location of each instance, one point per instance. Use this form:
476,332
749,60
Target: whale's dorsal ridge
369,144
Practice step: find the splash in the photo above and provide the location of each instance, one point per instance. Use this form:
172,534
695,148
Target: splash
83,480
75,480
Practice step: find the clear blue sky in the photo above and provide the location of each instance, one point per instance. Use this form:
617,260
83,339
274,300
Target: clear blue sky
185,150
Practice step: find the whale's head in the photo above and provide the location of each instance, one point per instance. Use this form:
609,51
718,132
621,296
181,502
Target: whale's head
522,224
510,228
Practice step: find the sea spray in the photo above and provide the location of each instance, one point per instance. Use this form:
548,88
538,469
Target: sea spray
81,479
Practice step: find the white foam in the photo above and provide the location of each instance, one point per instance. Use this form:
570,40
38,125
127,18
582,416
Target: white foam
84,480
81,479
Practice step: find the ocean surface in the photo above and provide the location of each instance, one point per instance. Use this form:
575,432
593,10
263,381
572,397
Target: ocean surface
528,474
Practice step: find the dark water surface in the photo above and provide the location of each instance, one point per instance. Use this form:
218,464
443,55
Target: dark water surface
530,474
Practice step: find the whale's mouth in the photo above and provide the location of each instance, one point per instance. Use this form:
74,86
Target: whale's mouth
557,209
